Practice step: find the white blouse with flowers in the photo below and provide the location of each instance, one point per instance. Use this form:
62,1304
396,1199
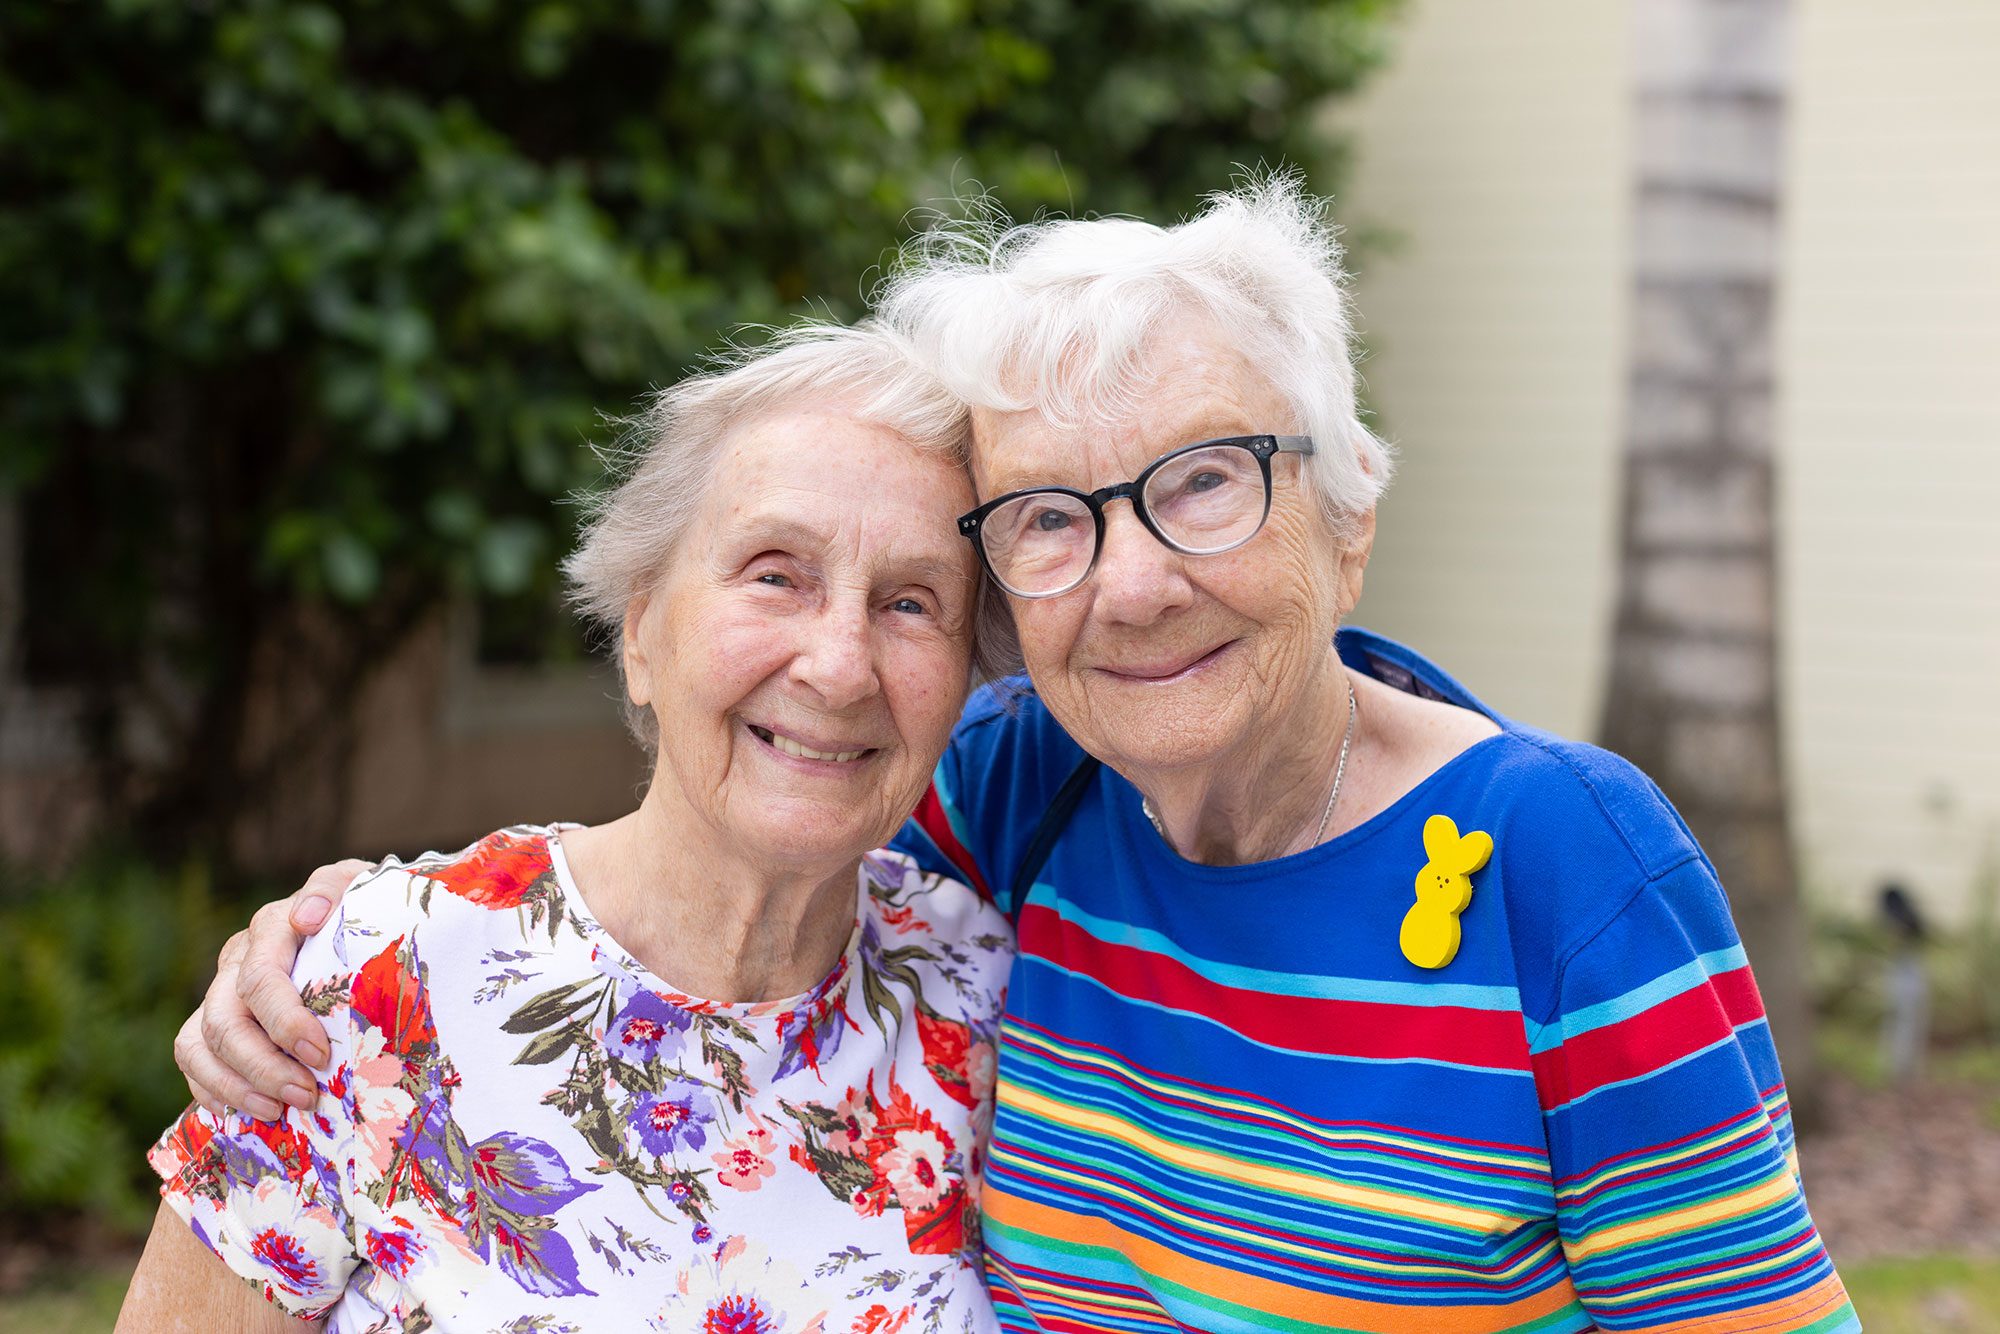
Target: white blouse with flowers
522,1129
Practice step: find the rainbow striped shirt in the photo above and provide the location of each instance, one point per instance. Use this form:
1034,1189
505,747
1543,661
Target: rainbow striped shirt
1228,1102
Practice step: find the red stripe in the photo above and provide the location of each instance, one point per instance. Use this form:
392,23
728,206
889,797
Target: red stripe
1494,1039
1678,1026
1278,1109
930,818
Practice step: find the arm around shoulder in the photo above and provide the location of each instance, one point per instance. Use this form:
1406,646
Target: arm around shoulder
182,1287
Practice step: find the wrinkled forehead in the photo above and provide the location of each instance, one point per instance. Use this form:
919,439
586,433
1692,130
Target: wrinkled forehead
835,470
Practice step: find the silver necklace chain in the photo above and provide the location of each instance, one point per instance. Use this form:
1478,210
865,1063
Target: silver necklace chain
1339,776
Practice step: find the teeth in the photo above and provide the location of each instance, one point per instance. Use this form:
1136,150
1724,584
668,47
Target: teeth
791,747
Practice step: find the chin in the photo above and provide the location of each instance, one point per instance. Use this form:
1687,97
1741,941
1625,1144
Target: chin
805,834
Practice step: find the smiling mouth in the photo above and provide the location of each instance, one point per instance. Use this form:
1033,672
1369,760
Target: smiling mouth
799,752
1170,673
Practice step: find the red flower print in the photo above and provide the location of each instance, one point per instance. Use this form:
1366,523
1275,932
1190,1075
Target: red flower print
500,871
947,1046
737,1314
904,919
879,1319
745,1161
394,1251
940,1229
280,1251
390,997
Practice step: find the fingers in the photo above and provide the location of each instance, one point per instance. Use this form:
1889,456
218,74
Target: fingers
269,1003
200,1047
213,1084
314,902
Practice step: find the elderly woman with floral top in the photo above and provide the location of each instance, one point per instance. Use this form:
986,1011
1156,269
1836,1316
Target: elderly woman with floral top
713,1065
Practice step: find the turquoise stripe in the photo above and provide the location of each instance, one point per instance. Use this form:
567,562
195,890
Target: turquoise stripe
1417,995
1376,1062
949,800
1547,1037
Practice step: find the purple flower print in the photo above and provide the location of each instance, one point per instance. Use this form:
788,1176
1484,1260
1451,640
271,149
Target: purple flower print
394,1252
646,1025
808,1035
673,1118
523,1175
535,1256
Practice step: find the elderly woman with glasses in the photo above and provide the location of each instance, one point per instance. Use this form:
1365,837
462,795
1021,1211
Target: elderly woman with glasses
1341,1001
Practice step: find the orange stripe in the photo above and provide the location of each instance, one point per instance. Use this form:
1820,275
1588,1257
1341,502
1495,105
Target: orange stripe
1263,1294
1821,1299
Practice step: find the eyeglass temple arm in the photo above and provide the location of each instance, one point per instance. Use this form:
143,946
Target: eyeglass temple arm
1293,444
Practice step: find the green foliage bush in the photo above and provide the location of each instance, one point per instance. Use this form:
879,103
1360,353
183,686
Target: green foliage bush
307,310
97,970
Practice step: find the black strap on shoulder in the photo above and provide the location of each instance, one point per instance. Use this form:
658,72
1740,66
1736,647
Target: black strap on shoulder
1061,807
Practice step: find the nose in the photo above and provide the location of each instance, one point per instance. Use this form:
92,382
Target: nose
835,658
1138,578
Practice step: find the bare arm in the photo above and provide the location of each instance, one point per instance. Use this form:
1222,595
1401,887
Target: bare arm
250,1044
181,1287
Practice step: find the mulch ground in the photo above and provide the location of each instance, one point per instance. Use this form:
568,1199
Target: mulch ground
1906,1172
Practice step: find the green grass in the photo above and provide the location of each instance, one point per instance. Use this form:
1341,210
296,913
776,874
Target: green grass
1931,1294
84,1302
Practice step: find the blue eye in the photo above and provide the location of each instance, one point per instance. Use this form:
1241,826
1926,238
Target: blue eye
774,580
908,606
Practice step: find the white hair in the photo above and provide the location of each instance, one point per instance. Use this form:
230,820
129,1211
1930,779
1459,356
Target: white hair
664,463
1057,317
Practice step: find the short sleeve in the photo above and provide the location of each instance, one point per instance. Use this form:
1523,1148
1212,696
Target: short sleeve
271,1199
1670,1139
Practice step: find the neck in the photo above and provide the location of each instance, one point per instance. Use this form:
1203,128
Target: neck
702,915
1266,799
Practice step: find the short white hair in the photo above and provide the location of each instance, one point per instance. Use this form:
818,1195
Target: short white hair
664,463
1057,317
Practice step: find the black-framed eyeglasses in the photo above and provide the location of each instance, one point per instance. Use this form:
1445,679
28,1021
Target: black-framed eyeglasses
1200,500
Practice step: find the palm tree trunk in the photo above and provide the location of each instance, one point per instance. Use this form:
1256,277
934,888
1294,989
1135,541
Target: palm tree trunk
1693,689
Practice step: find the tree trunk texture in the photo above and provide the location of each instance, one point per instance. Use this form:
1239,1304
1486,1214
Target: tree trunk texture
1693,689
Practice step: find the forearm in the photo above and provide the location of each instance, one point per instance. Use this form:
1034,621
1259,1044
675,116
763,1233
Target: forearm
181,1287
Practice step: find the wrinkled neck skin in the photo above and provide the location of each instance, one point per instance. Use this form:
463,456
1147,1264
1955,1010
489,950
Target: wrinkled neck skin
1263,798
711,919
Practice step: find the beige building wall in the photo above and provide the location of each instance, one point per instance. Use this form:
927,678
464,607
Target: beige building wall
1493,150
1889,392
1497,149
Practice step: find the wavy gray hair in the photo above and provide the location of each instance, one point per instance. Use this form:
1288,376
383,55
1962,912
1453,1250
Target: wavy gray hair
1056,317
664,462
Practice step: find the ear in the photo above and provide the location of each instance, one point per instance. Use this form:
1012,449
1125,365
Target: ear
1354,553
1473,851
1440,839
632,651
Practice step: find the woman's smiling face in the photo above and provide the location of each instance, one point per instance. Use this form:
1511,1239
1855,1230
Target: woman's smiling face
1160,661
806,652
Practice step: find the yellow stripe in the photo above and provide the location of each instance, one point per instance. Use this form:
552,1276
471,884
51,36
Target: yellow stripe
1527,1162
1271,1178
1682,1220
1152,1209
1811,1243
1787,1313
1750,1135
1254,1293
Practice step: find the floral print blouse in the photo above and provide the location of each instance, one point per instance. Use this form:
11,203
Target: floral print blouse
521,1129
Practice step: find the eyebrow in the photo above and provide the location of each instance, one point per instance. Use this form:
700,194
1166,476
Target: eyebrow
773,530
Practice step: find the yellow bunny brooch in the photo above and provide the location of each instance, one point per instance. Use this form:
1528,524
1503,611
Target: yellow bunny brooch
1444,888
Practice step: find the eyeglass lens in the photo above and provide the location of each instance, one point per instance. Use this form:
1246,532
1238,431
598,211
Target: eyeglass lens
1201,502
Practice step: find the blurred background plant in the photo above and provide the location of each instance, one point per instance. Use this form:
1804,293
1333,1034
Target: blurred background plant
97,968
309,317
308,312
